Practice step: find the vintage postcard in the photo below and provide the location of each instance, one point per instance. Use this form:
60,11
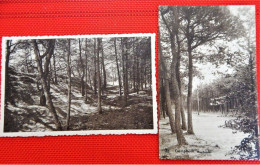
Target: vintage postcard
78,85
207,83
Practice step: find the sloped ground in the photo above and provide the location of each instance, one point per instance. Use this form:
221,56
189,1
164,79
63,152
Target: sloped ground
24,114
210,142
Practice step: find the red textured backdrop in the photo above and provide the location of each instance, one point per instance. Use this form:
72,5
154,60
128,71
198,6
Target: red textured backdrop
74,17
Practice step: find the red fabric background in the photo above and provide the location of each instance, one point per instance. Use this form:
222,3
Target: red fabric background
74,17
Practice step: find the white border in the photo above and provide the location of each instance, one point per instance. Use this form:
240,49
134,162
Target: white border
85,132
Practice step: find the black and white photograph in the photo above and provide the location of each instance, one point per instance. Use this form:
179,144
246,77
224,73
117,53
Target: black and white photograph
78,85
207,83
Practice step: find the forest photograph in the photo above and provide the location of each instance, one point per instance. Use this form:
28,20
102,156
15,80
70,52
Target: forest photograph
78,83
207,83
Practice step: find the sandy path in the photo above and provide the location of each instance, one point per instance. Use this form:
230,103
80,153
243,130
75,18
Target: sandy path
208,136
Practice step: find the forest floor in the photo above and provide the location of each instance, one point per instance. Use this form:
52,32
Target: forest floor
210,142
24,114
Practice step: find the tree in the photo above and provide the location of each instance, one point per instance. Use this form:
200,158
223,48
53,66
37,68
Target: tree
44,71
167,90
68,60
81,71
134,71
86,70
10,48
124,48
176,92
103,67
99,41
175,44
118,69
95,67
200,26
54,69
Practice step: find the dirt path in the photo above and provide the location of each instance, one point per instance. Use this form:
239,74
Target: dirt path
209,142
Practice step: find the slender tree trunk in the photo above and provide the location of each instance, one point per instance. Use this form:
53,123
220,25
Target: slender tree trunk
89,78
142,74
101,72
134,67
252,79
95,71
98,76
104,69
44,82
126,66
183,118
86,72
176,92
198,100
150,77
162,97
124,54
118,72
190,74
161,114
26,63
54,69
169,105
138,74
69,85
145,76
8,53
177,99
7,76
82,82
167,90
49,77
179,106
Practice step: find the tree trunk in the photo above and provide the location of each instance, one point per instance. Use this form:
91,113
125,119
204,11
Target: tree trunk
69,85
101,72
95,68
49,76
150,77
82,83
252,79
145,76
198,101
177,98
137,74
98,76
86,71
134,67
89,78
118,72
183,118
142,74
104,69
161,99
44,80
26,63
167,90
123,44
126,66
54,69
176,92
169,105
190,126
8,53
